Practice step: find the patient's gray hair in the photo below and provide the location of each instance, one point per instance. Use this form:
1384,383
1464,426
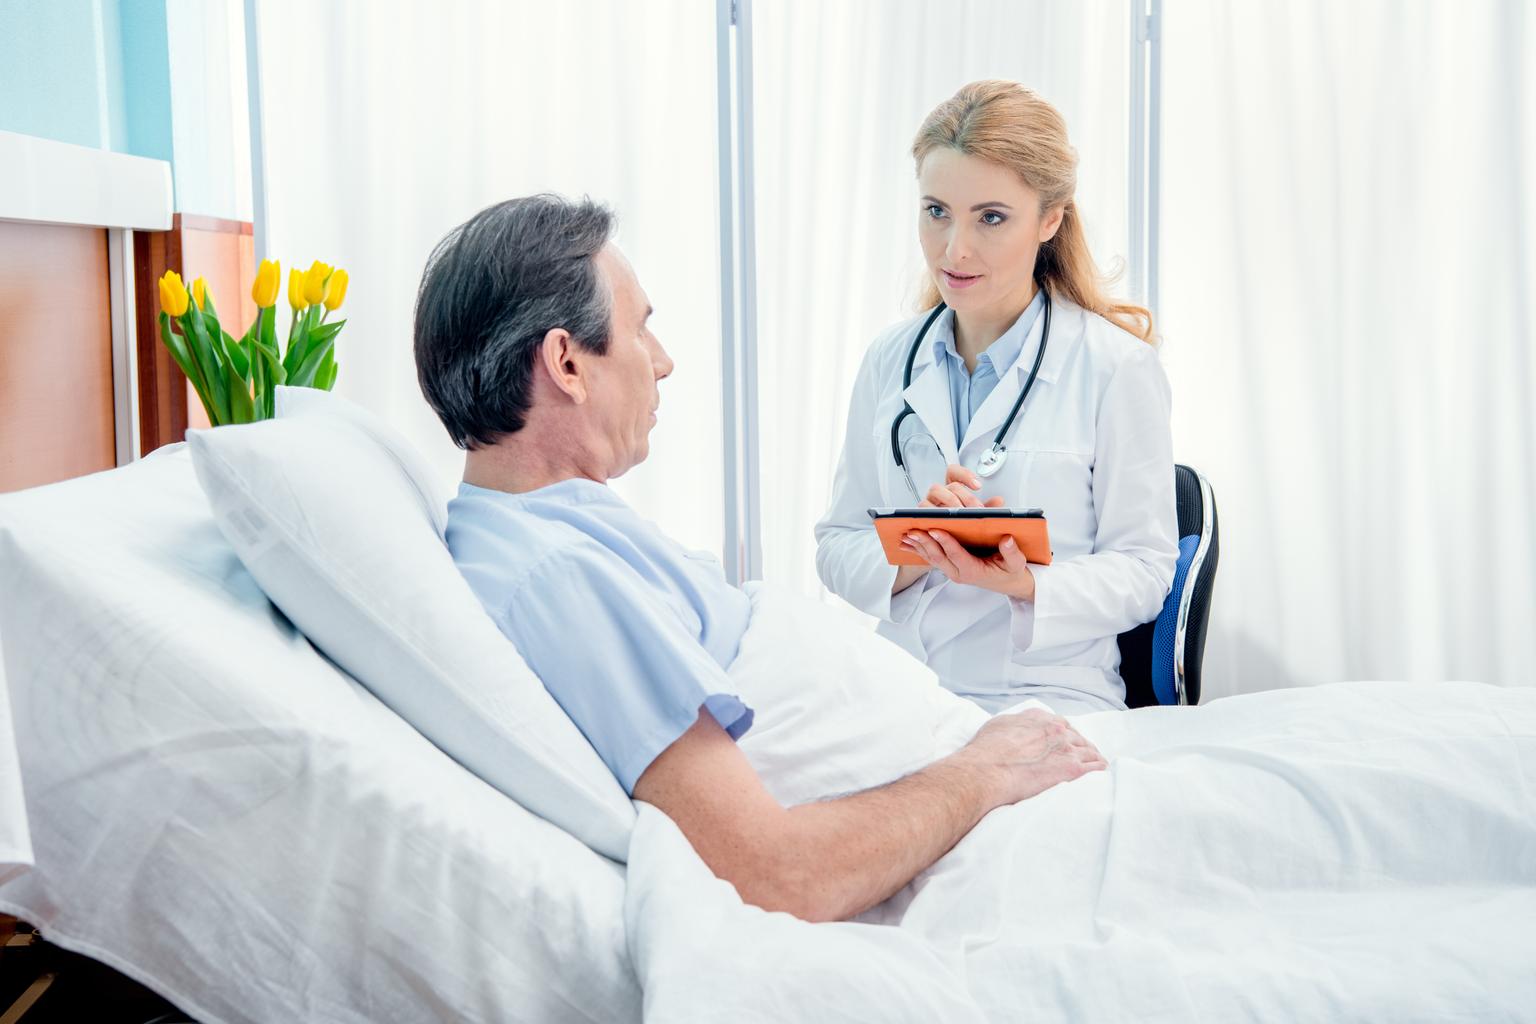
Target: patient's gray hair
491,290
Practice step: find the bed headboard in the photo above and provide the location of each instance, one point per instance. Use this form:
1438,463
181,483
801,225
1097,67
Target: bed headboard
85,234
57,407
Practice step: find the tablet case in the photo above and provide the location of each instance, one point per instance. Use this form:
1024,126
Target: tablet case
980,536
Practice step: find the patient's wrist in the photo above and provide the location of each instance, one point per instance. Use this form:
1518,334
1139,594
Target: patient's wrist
971,775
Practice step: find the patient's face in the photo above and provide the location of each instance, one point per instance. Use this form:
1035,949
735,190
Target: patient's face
624,381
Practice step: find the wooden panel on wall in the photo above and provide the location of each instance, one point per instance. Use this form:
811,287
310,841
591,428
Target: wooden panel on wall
55,354
223,251
162,385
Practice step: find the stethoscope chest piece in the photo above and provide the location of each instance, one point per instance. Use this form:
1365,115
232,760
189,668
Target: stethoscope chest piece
992,461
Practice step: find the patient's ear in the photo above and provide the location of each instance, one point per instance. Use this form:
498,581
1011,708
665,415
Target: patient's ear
560,356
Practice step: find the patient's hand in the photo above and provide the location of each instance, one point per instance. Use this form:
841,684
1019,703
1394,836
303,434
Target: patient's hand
1025,754
830,859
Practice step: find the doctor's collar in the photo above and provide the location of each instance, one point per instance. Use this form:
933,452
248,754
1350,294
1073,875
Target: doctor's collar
1009,345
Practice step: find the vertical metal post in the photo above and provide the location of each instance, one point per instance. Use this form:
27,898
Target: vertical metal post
738,299
125,346
1154,145
258,150
731,555
746,220
1145,150
1136,155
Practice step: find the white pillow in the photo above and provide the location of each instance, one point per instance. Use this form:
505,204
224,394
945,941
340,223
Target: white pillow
339,533
291,402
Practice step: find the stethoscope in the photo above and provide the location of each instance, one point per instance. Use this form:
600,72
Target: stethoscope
992,459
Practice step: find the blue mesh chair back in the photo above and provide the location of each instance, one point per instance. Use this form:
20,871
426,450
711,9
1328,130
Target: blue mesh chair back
1160,660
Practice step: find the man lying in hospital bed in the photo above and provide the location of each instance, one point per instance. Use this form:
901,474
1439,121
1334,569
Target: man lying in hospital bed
532,346
632,633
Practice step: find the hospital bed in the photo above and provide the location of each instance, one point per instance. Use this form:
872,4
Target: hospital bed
220,808
221,813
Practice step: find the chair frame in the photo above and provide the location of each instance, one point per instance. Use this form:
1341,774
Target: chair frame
1186,599
1136,643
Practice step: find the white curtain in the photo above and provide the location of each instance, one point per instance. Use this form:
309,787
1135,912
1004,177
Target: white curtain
388,123
1348,271
840,91
1347,262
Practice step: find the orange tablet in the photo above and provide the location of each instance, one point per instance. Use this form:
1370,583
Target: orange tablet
981,530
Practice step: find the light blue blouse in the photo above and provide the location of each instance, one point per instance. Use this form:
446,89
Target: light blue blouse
630,632
968,390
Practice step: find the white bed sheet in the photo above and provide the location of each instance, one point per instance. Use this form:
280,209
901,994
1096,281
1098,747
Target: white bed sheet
15,839
219,812
1352,852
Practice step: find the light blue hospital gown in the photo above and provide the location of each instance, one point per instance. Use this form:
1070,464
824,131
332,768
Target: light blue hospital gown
630,632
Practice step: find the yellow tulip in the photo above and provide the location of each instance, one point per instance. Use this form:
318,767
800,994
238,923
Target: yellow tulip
337,293
268,277
314,283
200,293
296,289
173,294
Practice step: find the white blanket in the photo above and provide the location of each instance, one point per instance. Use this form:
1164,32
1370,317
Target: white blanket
1349,852
15,838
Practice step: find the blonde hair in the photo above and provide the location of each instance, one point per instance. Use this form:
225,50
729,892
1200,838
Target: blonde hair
1012,126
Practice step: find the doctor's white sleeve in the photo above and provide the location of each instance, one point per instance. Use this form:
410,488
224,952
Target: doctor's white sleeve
849,557
1126,578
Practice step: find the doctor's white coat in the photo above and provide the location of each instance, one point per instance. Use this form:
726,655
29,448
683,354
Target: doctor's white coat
1091,446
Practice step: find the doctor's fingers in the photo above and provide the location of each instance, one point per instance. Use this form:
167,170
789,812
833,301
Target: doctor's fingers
955,473
966,495
924,544
959,557
954,494
1010,556
940,495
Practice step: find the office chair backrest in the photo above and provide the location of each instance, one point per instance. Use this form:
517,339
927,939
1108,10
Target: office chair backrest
1160,660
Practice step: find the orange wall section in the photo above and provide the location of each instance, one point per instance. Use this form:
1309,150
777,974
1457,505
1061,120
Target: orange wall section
56,401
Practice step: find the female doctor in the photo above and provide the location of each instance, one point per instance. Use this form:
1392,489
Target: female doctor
1020,384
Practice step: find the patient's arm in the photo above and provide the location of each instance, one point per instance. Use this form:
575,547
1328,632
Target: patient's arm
830,860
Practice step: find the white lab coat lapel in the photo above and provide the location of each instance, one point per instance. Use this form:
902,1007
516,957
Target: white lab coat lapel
1067,325
928,394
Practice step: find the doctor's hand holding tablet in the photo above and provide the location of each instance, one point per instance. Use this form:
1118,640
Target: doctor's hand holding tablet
984,546
1021,395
